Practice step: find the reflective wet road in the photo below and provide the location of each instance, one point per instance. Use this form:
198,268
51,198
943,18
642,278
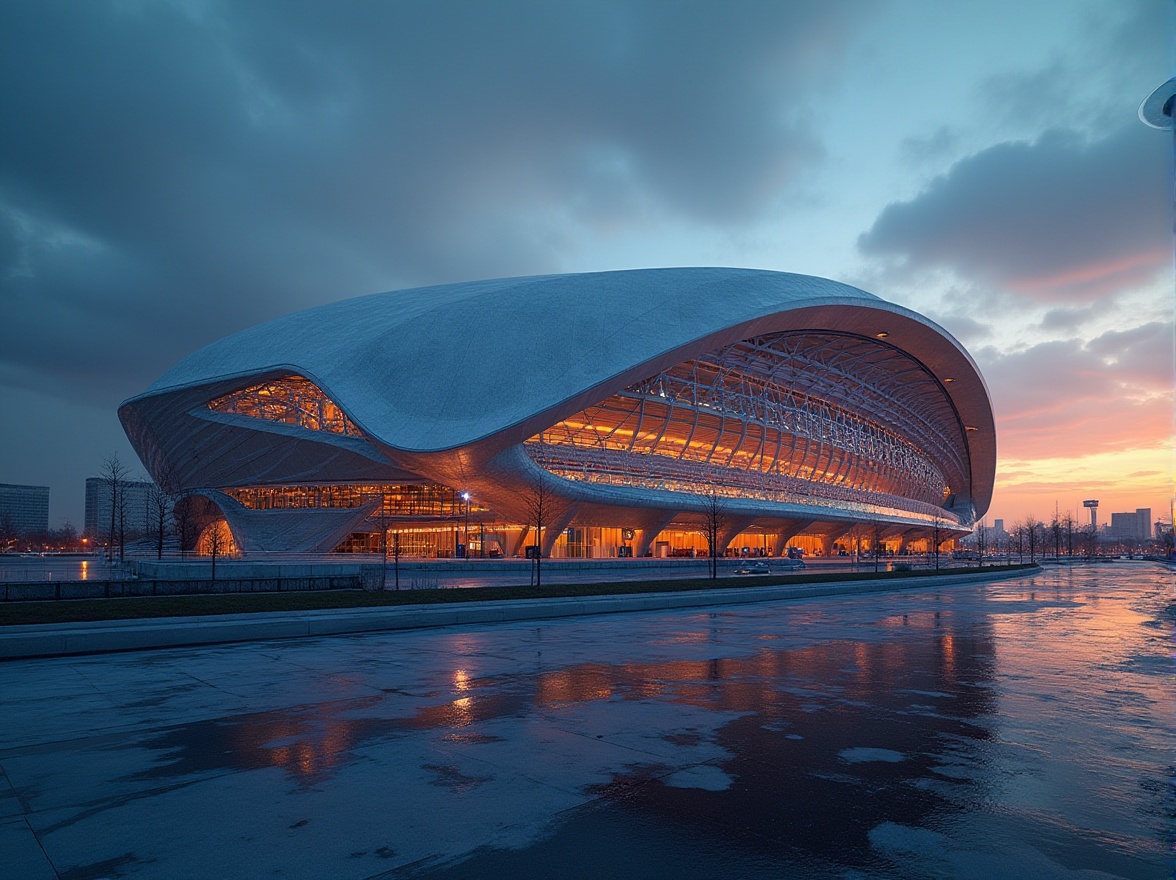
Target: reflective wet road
1019,729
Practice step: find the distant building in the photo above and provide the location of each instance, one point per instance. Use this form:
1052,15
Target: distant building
1131,525
24,509
138,515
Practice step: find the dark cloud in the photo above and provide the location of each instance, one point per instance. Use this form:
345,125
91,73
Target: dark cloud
1056,220
170,172
1067,320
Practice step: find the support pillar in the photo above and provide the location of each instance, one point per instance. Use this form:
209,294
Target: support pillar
517,542
650,528
830,538
789,530
551,532
729,529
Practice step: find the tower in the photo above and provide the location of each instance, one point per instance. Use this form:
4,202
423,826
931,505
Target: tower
1093,505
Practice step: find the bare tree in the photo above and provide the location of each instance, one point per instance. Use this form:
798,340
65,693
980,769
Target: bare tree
9,534
66,537
876,530
383,520
159,509
1089,540
714,513
114,478
395,558
217,542
539,501
937,536
1055,529
184,523
1031,531
1130,544
981,541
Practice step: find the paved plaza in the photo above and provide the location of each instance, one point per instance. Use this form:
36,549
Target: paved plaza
1018,728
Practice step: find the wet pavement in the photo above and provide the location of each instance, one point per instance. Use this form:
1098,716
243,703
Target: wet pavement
1021,728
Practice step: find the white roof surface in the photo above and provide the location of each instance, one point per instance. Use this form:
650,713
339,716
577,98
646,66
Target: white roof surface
439,367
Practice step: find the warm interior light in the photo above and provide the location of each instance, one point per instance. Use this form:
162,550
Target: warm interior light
970,428
881,335
949,379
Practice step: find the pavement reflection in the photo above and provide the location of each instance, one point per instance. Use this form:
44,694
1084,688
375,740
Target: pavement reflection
1018,728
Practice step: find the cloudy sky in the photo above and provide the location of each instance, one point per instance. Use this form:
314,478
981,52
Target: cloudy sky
172,171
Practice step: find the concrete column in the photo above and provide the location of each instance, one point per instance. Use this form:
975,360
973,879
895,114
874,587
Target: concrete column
830,538
653,523
730,528
552,529
517,541
789,530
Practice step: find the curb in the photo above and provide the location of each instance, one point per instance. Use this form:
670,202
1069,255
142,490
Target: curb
62,639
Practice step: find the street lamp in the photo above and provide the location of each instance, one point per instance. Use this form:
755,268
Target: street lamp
465,535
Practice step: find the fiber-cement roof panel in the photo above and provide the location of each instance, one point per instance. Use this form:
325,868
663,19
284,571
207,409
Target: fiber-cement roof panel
437,367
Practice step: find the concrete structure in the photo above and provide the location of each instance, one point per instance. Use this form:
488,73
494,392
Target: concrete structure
24,509
1092,506
138,506
1132,525
615,402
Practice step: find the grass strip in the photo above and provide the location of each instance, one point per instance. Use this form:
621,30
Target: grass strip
145,607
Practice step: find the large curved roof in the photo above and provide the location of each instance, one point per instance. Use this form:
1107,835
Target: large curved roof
438,368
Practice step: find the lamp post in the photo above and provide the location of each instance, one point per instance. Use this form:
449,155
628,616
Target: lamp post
465,534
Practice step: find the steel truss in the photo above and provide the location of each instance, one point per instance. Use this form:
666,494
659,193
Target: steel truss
782,414
291,400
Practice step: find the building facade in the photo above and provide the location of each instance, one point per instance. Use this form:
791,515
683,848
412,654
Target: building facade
24,510
585,415
139,513
1132,525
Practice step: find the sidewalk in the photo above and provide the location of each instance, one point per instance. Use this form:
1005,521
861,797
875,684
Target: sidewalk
45,640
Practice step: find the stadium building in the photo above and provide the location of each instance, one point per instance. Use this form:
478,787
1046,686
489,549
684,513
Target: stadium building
615,409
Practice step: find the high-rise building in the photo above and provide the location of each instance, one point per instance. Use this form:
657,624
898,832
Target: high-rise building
137,506
24,509
1132,525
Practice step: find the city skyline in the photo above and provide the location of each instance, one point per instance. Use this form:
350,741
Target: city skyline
175,173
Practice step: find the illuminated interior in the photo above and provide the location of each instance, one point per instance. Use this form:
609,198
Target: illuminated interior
291,400
408,500
789,416
216,539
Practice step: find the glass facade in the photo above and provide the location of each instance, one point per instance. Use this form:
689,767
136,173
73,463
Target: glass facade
823,420
798,417
291,400
408,500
